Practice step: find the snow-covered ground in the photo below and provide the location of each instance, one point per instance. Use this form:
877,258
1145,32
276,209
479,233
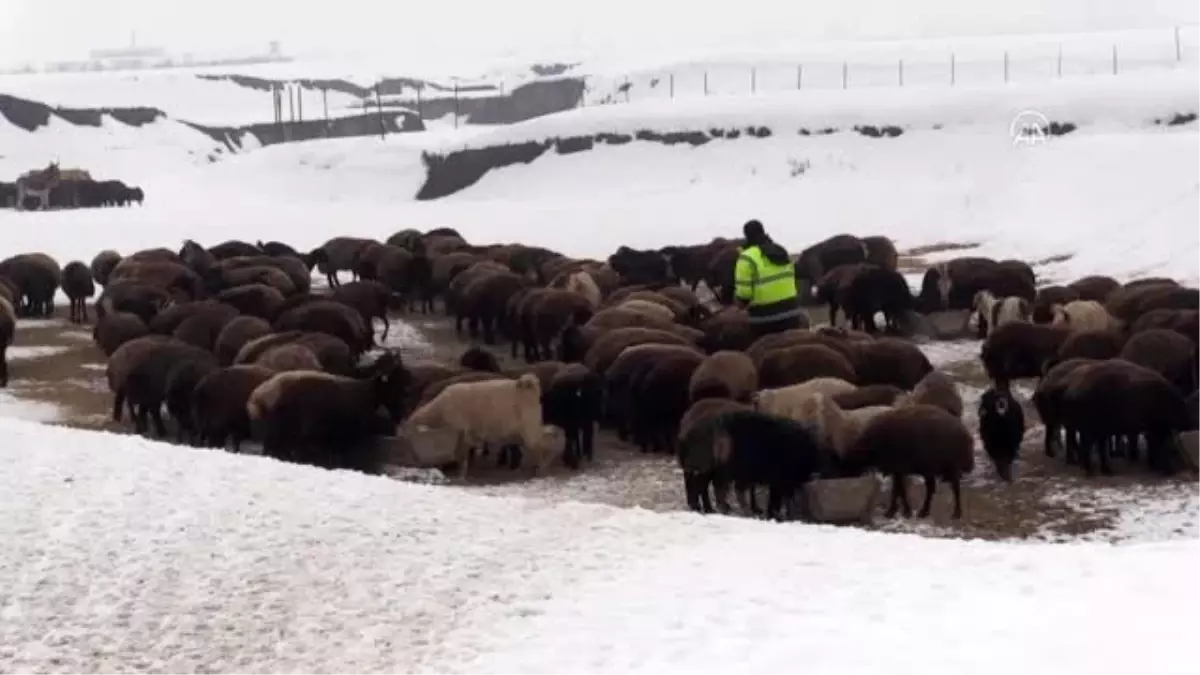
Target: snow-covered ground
122,554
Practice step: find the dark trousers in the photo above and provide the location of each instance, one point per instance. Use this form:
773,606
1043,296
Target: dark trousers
777,326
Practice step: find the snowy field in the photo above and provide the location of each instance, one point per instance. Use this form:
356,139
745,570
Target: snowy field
122,554
206,562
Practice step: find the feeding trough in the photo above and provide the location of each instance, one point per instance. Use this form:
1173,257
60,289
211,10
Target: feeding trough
1189,449
841,501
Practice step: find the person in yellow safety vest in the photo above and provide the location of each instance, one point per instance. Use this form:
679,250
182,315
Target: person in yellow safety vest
764,282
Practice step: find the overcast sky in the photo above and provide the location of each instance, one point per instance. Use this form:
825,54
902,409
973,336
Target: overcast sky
483,29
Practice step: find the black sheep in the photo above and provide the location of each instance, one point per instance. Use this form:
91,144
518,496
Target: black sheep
477,358
1088,344
258,300
8,328
694,450
115,329
135,297
1001,429
219,404
1020,350
235,334
660,399
1047,399
145,385
79,287
752,448
332,318
875,289
181,381
1167,353
572,402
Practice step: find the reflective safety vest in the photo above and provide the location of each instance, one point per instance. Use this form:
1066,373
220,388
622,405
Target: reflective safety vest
762,282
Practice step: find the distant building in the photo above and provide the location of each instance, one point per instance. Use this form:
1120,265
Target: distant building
128,57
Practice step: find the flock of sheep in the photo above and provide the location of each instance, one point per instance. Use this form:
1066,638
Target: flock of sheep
235,344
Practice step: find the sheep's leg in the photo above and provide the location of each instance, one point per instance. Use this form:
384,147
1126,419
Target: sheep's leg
833,310
1084,454
1102,451
462,454
1052,438
489,335
775,497
1072,446
898,489
515,453
691,491
160,429
956,489
386,326
702,483
930,488
587,440
720,486
139,419
83,309
3,366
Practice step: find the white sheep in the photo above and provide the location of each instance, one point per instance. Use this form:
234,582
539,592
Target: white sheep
787,401
648,309
498,412
582,283
992,312
1081,315
834,428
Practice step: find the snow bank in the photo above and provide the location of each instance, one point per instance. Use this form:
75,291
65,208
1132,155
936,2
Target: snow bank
181,95
123,554
1121,102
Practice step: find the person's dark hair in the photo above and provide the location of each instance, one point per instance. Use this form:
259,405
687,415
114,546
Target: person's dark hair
756,235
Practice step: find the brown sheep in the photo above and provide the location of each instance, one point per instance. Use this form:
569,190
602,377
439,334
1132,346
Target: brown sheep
431,390
1096,288
483,304
869,396
881,251
334,354
222,279
179,386
296,270
79,287
1167,353
1132,301
1047,400
1186,322
155,255
1088,344
920,440
115,329
165,275
793,338
202,328
724,374
821,258
136,374
259,300
330,317
728,329
219,404
323,419
337,255
103,264
1047,298
135,297
889,361
8,329
548,315
1020,350
953,284
660,398
545,371
36,278
610,345
370,299
290,356
166,321
696,454
239,331
621,377
800,363
937,389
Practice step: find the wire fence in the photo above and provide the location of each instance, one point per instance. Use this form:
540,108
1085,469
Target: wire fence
1031,62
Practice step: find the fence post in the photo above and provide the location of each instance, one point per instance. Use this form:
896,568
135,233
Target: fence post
300,103
706,83
456,104
672,80
800,76
1178,46
900,72
325,102
952,73
291,103
1059,69
1006,66
845,74
379,109
1114,59
753,79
